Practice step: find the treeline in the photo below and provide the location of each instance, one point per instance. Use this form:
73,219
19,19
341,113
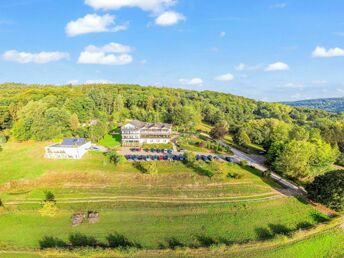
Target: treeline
312,139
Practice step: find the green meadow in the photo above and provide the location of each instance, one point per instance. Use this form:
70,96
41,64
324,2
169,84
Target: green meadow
176,203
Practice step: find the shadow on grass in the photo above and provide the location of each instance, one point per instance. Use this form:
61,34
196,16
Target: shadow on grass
272,231
78,240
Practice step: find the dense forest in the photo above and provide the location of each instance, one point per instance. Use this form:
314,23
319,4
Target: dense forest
300,142
331,104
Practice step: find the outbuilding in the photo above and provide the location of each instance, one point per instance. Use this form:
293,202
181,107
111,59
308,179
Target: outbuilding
69,148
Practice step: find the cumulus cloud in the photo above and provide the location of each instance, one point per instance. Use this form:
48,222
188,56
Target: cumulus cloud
159,8
278,66
331,52
169,18
155,6
225,77
247,67
93,23
38,58
193,81
110,54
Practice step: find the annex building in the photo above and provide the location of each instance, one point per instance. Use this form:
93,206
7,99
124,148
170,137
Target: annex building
69,148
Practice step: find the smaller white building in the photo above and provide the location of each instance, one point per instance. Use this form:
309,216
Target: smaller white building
70,148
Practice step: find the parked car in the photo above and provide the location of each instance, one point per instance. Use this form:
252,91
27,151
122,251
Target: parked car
210,158
161,157
181,157
148,158
128,157
169,151
228,159
198,157
134,157
140,157
165,157
152,150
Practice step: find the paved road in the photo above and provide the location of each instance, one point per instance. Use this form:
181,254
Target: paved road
258,165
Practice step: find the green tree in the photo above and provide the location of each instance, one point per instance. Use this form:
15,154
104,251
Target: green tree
328,189
242,138
74,122
295,159
114,157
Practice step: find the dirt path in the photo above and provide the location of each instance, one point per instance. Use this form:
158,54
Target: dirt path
232,199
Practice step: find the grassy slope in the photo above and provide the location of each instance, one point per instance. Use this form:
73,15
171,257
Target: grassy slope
148,223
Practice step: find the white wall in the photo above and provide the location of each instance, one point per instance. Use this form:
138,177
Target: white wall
53,152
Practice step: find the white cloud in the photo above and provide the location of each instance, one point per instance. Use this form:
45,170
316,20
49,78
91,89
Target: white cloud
225,77
155,6
278,66
279,6
110,54
193,81
246,67
169,18
222,34
331,52
38,58
93,23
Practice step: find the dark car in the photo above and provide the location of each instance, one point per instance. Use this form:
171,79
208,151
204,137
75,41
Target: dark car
152,150
210,157
128,157
169,151
204,158
181,157
228,159
140,157
165,157
134,157
198,157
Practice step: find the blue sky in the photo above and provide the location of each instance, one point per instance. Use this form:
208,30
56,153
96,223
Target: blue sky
268,50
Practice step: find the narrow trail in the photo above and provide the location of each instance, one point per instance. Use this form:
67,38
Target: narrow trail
191,200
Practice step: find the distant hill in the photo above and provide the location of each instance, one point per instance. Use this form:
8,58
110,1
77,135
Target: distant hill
331,104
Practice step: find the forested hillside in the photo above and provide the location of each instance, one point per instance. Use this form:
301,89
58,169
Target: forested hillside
331,105
301,142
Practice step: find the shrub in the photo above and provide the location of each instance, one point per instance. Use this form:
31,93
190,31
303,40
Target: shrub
243,163
118,240
49,197
1,203
51,242
81,240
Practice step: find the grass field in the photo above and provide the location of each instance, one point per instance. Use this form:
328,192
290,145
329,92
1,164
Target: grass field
111,141
176,203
